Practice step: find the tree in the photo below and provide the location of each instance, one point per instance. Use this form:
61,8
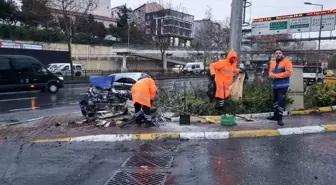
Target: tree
9,14
122,23
36,12
100,30
67,10
210,35
89,27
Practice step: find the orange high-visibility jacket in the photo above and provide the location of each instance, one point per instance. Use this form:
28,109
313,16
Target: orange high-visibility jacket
224,74
144,91
212,69
282,71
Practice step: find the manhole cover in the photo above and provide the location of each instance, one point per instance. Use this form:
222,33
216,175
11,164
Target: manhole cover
132,178
147,161
159,147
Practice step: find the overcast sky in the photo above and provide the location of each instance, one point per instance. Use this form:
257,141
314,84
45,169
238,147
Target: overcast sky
260,8
222,8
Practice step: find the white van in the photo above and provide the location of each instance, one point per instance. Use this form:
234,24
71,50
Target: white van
194,68
64,69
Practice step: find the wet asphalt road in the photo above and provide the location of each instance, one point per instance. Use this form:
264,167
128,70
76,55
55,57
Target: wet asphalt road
34,104
290,160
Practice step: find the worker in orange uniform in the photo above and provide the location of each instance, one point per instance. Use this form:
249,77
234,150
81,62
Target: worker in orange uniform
280,71
143,94
224,72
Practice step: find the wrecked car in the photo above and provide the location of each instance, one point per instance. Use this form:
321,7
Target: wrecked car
108,95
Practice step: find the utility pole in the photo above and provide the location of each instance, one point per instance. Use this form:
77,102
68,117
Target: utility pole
319,39
236,22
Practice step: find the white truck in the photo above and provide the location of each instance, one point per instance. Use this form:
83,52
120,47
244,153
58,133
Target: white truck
64,69
309,74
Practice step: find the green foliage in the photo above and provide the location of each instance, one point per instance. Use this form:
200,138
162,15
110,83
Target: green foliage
256,98
320,95
35,13
38,24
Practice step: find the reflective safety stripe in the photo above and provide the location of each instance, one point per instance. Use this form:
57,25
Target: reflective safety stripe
141,96
227,71
222,91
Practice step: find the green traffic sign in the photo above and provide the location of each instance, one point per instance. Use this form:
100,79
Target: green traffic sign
282,25
296,26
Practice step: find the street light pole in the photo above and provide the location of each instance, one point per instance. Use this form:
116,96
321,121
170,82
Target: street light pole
319,39
128,36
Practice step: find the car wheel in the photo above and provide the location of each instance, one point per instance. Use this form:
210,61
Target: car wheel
52,88
78,74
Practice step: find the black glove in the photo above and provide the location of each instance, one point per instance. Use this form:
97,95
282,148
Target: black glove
212,77
152,101
242,71
130,97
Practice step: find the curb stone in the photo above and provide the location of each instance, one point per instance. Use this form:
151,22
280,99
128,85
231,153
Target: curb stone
286,113
197,135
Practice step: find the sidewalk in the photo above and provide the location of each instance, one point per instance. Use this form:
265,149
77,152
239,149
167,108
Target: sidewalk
46,129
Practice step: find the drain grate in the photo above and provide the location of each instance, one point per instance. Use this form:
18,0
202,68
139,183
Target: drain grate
159,147
147,161
133,178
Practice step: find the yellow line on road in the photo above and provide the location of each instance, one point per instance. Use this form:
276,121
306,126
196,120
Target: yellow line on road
254,133
52,140
330,128
155,136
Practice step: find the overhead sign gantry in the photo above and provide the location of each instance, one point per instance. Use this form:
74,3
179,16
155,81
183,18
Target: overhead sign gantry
295,23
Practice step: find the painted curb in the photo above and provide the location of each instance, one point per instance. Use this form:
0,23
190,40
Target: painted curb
315,110
286,113
197,135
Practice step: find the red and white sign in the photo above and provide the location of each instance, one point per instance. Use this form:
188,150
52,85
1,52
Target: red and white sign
324,65
9,44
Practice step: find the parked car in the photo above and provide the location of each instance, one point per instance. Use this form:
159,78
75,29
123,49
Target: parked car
64,69
24,73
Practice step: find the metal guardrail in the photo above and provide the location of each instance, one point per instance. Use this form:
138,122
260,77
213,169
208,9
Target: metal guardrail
158,73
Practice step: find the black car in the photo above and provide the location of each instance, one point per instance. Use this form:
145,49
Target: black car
24,73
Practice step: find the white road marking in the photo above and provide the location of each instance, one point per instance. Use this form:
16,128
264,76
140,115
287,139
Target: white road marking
104,138
18,99
19,122
23,109
21,92
76,88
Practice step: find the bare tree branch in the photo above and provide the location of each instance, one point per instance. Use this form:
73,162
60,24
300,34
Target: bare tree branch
66,11
210,35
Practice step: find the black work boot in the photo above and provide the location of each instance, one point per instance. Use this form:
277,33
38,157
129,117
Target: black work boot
281,123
